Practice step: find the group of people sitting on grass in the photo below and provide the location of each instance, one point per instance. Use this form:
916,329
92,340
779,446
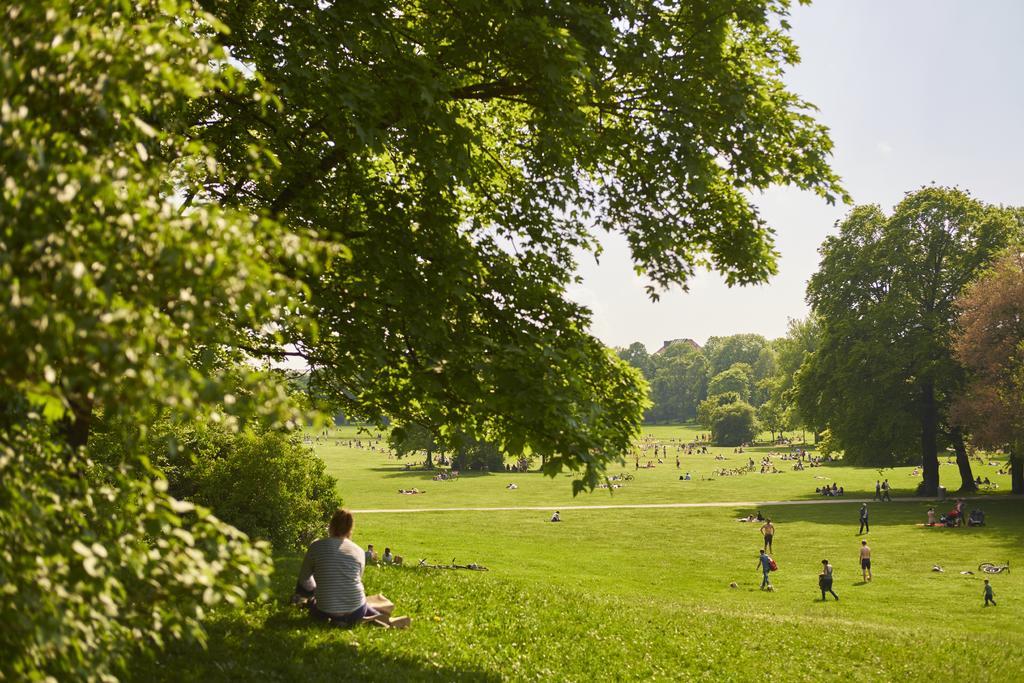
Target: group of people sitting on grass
827,490
411,492
446,475
956,517
387,558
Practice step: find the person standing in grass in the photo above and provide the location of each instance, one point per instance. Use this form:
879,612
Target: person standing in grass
988,594
865,561
864,526
886,495
769,533
765,563
825,580
878,490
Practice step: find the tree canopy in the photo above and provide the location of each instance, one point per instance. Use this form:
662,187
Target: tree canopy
394,192
883,375
989,341
468,150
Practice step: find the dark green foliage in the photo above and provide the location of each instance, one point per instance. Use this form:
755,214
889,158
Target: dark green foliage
708,408
679,384
736,380
466,152
266,484
636,355
97,561
117,304
724,352
883,375
476,454
733,424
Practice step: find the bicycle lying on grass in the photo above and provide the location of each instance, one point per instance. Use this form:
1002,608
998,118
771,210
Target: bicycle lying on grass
990,568
472,566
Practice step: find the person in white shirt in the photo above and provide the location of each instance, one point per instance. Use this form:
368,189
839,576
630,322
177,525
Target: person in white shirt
331,577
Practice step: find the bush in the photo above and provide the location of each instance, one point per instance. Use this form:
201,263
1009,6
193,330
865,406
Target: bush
734,424
97,563
264,482
271,487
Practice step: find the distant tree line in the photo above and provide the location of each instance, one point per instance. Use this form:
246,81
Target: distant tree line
735,385
914,346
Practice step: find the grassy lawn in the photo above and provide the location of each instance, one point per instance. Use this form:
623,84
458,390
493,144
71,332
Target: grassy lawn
626,594
370,480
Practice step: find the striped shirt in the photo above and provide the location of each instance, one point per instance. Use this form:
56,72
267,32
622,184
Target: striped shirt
336,565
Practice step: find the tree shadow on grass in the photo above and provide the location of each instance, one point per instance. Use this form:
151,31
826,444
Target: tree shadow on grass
1005,518
277,642
288,647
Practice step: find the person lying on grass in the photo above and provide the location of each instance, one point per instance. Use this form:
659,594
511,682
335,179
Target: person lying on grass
331,577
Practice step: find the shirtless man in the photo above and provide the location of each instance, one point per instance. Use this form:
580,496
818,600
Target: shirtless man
768,529
865,560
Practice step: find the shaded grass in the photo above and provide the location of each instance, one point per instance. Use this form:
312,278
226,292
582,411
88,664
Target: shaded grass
635,594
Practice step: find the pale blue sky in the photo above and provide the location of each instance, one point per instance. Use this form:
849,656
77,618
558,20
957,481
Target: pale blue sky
914,92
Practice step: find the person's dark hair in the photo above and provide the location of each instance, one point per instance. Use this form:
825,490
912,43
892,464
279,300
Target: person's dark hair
387,550
341,523
824,561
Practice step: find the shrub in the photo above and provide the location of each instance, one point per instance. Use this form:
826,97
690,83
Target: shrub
734,424
270,486
264,482
98,562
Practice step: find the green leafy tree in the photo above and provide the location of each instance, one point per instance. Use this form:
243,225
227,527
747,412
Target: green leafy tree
636,355
708,408
736,380
791,350
470,150
115,304
679,384
772,414
412,437
884,374
734,424
724,352
989,341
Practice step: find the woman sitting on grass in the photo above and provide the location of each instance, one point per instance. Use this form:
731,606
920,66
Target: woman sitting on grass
331,577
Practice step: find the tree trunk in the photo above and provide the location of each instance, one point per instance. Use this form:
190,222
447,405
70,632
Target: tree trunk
1017,469
430,459
929,441
967,484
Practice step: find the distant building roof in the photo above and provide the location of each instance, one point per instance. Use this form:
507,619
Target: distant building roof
692,344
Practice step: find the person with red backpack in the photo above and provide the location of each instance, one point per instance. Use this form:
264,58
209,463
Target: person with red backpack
767,565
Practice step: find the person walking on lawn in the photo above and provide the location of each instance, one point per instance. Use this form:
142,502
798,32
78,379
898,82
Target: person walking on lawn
825,580
865,561
765,563
988,594
864,526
